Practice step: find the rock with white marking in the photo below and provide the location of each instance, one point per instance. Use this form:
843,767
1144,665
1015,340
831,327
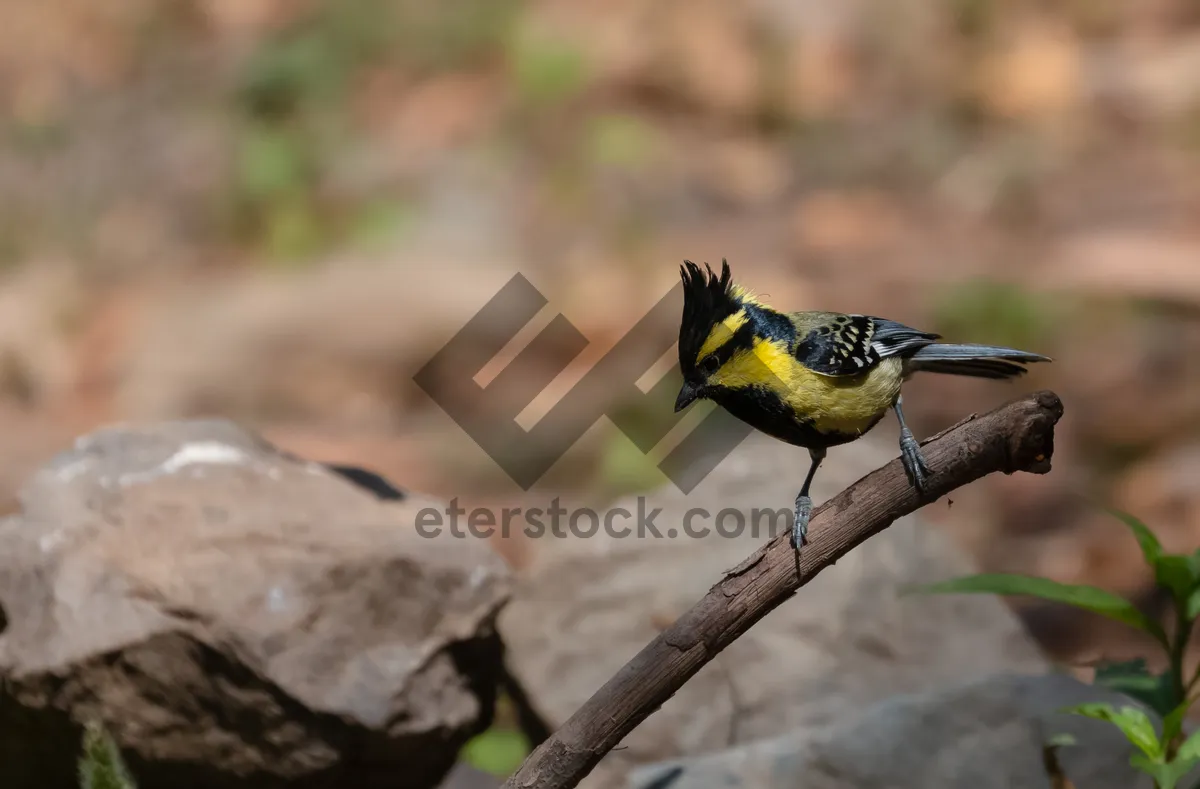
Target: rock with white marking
236,617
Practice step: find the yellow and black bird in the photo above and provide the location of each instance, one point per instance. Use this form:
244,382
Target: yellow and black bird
813,379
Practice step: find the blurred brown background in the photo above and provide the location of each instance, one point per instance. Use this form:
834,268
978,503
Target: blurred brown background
277,211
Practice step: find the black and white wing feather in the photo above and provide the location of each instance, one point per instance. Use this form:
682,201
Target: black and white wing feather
896,339
853,344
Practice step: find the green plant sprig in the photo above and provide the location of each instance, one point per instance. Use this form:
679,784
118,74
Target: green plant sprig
1167,756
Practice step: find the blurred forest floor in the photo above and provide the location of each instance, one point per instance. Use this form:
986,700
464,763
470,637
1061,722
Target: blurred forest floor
277,211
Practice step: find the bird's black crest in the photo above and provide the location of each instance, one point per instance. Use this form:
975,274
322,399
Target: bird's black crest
707,300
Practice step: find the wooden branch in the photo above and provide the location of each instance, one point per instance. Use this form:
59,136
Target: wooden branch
1016,437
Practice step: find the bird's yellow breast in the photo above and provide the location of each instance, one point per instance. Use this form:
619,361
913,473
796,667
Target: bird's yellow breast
834,404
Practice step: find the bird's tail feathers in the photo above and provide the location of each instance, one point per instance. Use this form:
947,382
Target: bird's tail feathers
978,361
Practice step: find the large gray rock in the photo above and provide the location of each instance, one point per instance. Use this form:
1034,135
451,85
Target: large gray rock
237,618
847,640
986,734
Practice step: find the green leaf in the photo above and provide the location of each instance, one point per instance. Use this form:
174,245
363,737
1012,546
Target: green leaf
1194,563
1190,748
100,763
496,751
1151,547
1192,608
1134,679
1180,574
1175,573
1090,598
1166,776
1173,722
1146,765
1132,722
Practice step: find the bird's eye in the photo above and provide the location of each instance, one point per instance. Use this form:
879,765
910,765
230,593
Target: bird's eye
709,365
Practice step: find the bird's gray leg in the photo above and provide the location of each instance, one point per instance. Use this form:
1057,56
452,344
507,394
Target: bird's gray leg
804,504
910,452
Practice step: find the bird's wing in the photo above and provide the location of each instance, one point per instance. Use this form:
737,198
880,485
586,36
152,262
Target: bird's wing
896,339
853,344
838,345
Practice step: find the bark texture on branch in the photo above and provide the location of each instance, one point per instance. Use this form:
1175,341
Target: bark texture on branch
1018,436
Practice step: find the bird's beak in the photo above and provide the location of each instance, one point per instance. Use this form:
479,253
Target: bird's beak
686,395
